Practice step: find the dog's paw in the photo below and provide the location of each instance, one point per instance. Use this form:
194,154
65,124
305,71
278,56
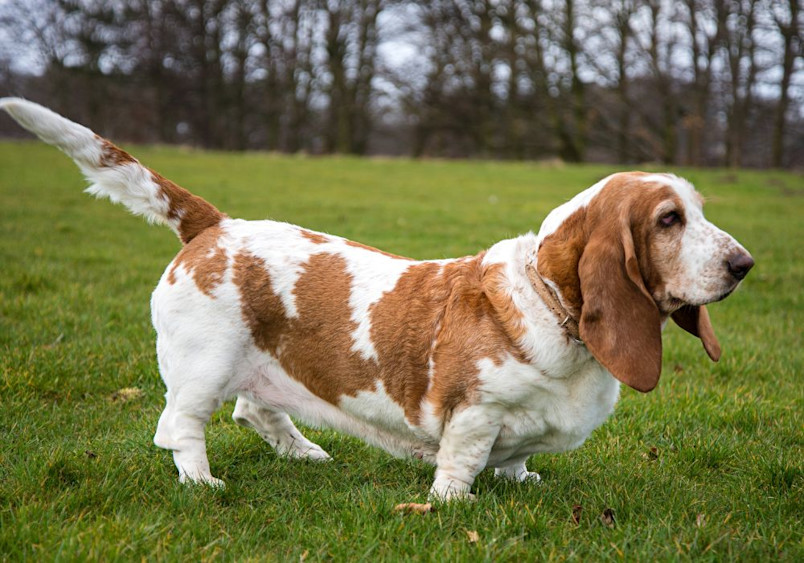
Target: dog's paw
450,491
518,474
314,454
530,477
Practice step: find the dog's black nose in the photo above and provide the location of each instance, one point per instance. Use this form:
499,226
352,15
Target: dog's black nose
739,264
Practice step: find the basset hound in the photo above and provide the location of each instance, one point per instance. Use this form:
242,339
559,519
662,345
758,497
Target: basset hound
467,363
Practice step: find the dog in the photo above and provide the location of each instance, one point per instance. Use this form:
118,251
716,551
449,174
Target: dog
464,363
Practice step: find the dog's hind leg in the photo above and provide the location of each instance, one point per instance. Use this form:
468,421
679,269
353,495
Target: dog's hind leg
181,429
195,389
278,430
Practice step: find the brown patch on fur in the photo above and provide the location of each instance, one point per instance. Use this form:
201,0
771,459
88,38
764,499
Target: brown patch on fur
404,325
495,286
435,314
315,238
204,259
372,249
558,258
657,248
193,213
471,330
444,316
262,309
112,155
315,347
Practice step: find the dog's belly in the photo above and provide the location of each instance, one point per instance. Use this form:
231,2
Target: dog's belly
558,416
370,415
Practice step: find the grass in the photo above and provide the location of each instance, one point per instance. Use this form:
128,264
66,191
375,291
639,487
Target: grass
708,466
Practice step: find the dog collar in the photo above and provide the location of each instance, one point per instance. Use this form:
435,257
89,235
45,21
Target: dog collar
549,297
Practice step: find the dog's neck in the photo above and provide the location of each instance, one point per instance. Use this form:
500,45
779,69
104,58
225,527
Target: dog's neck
565,319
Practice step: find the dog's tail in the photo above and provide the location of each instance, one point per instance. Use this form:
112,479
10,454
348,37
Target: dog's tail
116,174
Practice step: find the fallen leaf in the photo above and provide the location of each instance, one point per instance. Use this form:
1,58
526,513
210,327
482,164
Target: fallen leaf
652,454
126,394
607,518
576,513
303,556
700,520
91,454
473,536
409,507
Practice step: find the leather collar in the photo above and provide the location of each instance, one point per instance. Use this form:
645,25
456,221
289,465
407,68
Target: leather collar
549,297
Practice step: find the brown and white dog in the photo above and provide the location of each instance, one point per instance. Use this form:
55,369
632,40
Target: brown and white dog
469,363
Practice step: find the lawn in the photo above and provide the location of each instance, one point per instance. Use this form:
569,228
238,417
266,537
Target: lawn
708,466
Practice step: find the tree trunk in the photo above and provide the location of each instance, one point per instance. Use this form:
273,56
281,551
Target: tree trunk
791,35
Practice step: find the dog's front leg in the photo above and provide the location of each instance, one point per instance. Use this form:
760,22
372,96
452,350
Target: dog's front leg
463,453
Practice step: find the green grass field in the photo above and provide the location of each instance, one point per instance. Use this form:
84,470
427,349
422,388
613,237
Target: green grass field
709,466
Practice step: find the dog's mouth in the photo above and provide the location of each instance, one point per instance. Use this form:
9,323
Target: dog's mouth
729,292
669,304
672,303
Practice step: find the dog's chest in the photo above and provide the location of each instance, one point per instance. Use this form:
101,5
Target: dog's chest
556,415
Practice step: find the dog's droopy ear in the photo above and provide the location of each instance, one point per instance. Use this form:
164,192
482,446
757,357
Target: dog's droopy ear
695,320
620,322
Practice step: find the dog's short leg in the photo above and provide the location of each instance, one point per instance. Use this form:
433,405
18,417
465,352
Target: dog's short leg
517,472
196,385
278,430
463,453
181,429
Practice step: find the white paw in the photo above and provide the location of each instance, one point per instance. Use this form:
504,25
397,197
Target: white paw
530,477
450,496
444,490
310,451
313,454
518,474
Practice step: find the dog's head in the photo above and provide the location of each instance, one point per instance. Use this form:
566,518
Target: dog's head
629,252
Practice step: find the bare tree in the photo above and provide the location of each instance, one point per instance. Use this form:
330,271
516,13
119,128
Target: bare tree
705,29
622,80
789,27
351,46
740,48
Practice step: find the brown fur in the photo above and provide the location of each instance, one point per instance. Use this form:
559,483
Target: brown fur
435,313
194,213
558,259
112,155
695,320
315,238
495,287
471,330
204,260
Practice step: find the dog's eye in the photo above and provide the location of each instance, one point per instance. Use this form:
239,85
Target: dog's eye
670,219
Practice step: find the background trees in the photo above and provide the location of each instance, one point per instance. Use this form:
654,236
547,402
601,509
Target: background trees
699,82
